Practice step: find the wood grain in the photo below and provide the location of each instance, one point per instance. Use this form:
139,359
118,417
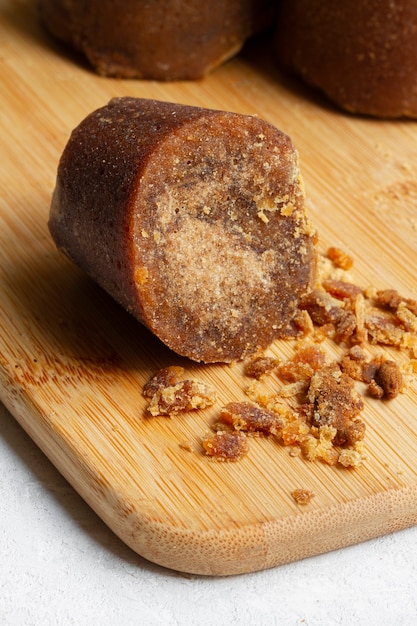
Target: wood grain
72,363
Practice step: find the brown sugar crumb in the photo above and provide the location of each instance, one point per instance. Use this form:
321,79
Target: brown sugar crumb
302,496
252,418
226,446
165,377
260,366
186,395
340,258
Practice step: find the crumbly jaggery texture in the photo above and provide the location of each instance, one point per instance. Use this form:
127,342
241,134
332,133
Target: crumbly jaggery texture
226,446
166,40
171,393
361,53
192,219
317,407
251,418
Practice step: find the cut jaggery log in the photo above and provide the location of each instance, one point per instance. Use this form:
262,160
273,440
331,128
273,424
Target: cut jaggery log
192,219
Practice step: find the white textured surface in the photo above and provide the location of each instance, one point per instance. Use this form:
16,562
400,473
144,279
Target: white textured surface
59,565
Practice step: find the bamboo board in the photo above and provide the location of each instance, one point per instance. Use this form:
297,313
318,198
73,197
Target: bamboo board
72,363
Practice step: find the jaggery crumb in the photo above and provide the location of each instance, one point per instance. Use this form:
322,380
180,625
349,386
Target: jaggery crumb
389,378
352,367
341,289
251,418
335,402
302,496
340,258
259,366
303,322
187,395
165,377
350,457
318,444
226,445
324,309
170,395
389,298
375,390
308,359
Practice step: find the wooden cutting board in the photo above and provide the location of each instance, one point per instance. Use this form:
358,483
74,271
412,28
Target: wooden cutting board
72,363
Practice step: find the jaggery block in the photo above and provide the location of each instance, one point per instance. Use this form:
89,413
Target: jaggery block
192,219
361,53
170,40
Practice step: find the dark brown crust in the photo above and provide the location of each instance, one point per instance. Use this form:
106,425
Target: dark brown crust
161,40
192,219
361,53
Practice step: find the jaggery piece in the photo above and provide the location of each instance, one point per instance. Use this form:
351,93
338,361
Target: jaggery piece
340,258
303,322
341,289
226,446
252,418
375,390
335,402
318,445
404,309
350,457
354,364
165,377
389,298
259,366
192,219
170,40
389,379
362,55
324,309
392,299
307,360
383,328
302,496
186,395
